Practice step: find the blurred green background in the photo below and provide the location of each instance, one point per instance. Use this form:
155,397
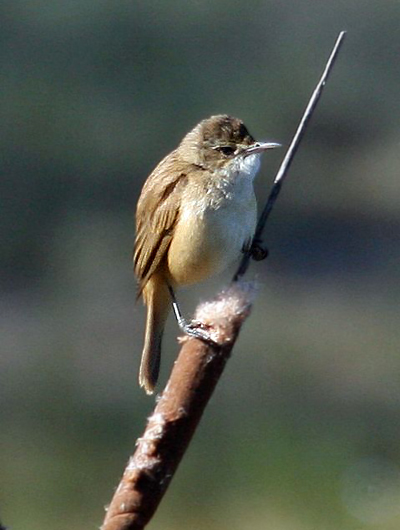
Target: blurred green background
303,432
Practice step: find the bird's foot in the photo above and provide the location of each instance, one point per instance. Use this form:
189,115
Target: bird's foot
196,329
258,251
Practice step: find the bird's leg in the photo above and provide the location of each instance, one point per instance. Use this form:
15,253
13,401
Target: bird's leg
193,329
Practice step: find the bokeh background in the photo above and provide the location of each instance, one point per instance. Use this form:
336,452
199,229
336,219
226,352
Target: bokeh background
303,432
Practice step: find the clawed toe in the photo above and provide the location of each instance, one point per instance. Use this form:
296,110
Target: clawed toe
198,330
258,252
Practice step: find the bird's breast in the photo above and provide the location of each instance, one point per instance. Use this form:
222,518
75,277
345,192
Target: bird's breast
213,226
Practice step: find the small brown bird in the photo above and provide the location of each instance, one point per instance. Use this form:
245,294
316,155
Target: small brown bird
195,215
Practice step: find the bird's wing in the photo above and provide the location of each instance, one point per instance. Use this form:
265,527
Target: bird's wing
156,216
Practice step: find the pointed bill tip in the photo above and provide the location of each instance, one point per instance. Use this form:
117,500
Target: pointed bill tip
259,147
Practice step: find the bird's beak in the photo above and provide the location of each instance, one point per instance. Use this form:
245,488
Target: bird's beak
259,147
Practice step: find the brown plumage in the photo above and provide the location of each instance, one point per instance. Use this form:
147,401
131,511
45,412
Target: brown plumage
195,212
156,216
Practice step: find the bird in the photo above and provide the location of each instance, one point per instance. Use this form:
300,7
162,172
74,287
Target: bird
195,215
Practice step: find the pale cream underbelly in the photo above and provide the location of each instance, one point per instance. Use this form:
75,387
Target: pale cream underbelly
204,245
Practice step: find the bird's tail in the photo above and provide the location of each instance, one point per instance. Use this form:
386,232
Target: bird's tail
157,299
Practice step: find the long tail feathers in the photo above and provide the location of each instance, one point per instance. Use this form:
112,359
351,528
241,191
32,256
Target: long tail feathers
156,297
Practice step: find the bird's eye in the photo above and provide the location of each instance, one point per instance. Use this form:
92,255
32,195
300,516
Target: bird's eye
226,150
